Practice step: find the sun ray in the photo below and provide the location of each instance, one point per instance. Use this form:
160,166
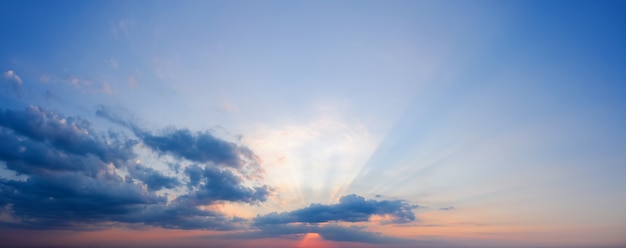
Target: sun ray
313,240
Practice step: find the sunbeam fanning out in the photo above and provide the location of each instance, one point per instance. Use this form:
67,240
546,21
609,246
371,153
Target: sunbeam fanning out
313,161
277,123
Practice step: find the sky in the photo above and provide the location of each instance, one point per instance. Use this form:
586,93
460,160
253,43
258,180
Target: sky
313,123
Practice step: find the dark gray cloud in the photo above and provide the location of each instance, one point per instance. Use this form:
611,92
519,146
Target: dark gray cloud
351,208
71,135
324,220
74,176
183,213
152,178
199,147
218,184
28,157
62,200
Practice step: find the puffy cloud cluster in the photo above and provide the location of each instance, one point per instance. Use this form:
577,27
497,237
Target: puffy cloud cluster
77,177
199,147
213,184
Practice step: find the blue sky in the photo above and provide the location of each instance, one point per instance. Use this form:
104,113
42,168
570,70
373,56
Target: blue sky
313,123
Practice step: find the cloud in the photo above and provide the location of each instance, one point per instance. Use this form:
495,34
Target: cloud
180,215
12,76
28,157
44,78
71,135
153,179
122,25
15,80
332,232
62,200
132,81
351,208
326,220
74,81
77,178
199,147
113,62
216,184
106,89
74,177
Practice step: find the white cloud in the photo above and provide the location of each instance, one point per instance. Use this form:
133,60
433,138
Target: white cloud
12,77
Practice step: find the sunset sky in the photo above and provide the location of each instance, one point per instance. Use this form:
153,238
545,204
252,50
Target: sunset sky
313,123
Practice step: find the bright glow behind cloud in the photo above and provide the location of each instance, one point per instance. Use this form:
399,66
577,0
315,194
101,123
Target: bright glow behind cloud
315,160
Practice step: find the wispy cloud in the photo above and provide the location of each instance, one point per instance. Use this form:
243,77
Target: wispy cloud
132,81
106,89
11,77
121,26
113,62
45,78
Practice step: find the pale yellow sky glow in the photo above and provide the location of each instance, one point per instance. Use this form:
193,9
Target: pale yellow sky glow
312,161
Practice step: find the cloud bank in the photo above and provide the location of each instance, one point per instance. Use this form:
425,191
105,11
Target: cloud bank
78,178
71,176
